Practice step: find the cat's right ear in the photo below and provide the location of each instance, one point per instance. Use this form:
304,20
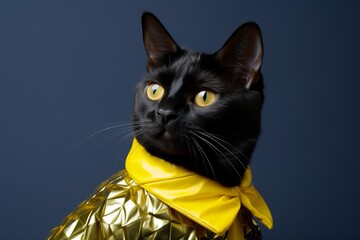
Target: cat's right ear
157,41
243,53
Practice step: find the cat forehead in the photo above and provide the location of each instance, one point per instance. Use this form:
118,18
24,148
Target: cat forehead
186,63
189,70
191,67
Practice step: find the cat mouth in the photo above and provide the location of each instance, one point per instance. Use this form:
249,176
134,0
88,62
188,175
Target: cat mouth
168,142
167,135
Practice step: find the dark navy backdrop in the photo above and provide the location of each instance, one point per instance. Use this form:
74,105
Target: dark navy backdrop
68,69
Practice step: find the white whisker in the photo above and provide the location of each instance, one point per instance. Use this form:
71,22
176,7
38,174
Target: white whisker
202,153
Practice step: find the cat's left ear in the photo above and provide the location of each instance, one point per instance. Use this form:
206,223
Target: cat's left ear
242,54
157,41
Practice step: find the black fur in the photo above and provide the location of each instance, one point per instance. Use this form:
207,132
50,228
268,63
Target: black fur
215,141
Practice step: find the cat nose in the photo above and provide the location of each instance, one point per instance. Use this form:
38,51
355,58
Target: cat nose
165,116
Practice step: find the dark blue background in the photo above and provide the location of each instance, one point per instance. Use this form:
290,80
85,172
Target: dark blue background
68,69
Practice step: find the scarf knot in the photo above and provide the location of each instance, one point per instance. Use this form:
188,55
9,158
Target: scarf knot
202,200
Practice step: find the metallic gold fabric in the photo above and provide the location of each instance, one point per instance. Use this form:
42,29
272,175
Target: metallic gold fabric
120,209
153,199
195,196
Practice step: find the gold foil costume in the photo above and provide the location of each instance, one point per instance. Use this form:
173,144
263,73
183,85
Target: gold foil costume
153,199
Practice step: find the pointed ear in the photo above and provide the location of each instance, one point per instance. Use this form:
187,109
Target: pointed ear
157,41
242,54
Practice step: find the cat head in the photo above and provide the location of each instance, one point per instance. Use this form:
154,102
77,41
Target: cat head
201,111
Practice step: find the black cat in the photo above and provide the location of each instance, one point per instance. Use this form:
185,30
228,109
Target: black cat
195,115
201,111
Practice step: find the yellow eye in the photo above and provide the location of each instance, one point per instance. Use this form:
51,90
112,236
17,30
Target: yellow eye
154,91
205,98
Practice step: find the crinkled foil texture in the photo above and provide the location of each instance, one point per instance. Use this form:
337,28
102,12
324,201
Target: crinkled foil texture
120,209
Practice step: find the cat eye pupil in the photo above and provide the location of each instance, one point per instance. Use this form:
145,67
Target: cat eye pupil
205,98
155,87
154,91
203,94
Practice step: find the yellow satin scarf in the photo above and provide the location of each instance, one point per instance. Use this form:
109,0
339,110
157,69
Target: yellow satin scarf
204,201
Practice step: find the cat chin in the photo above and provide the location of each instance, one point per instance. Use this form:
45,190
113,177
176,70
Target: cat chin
165,146
171,148
165,135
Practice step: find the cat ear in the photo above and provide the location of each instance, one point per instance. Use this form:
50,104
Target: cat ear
157,41
242,53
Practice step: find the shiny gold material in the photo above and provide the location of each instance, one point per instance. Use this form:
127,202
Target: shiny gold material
153,199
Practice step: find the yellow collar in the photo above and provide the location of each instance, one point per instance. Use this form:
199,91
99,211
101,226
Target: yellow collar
204,201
